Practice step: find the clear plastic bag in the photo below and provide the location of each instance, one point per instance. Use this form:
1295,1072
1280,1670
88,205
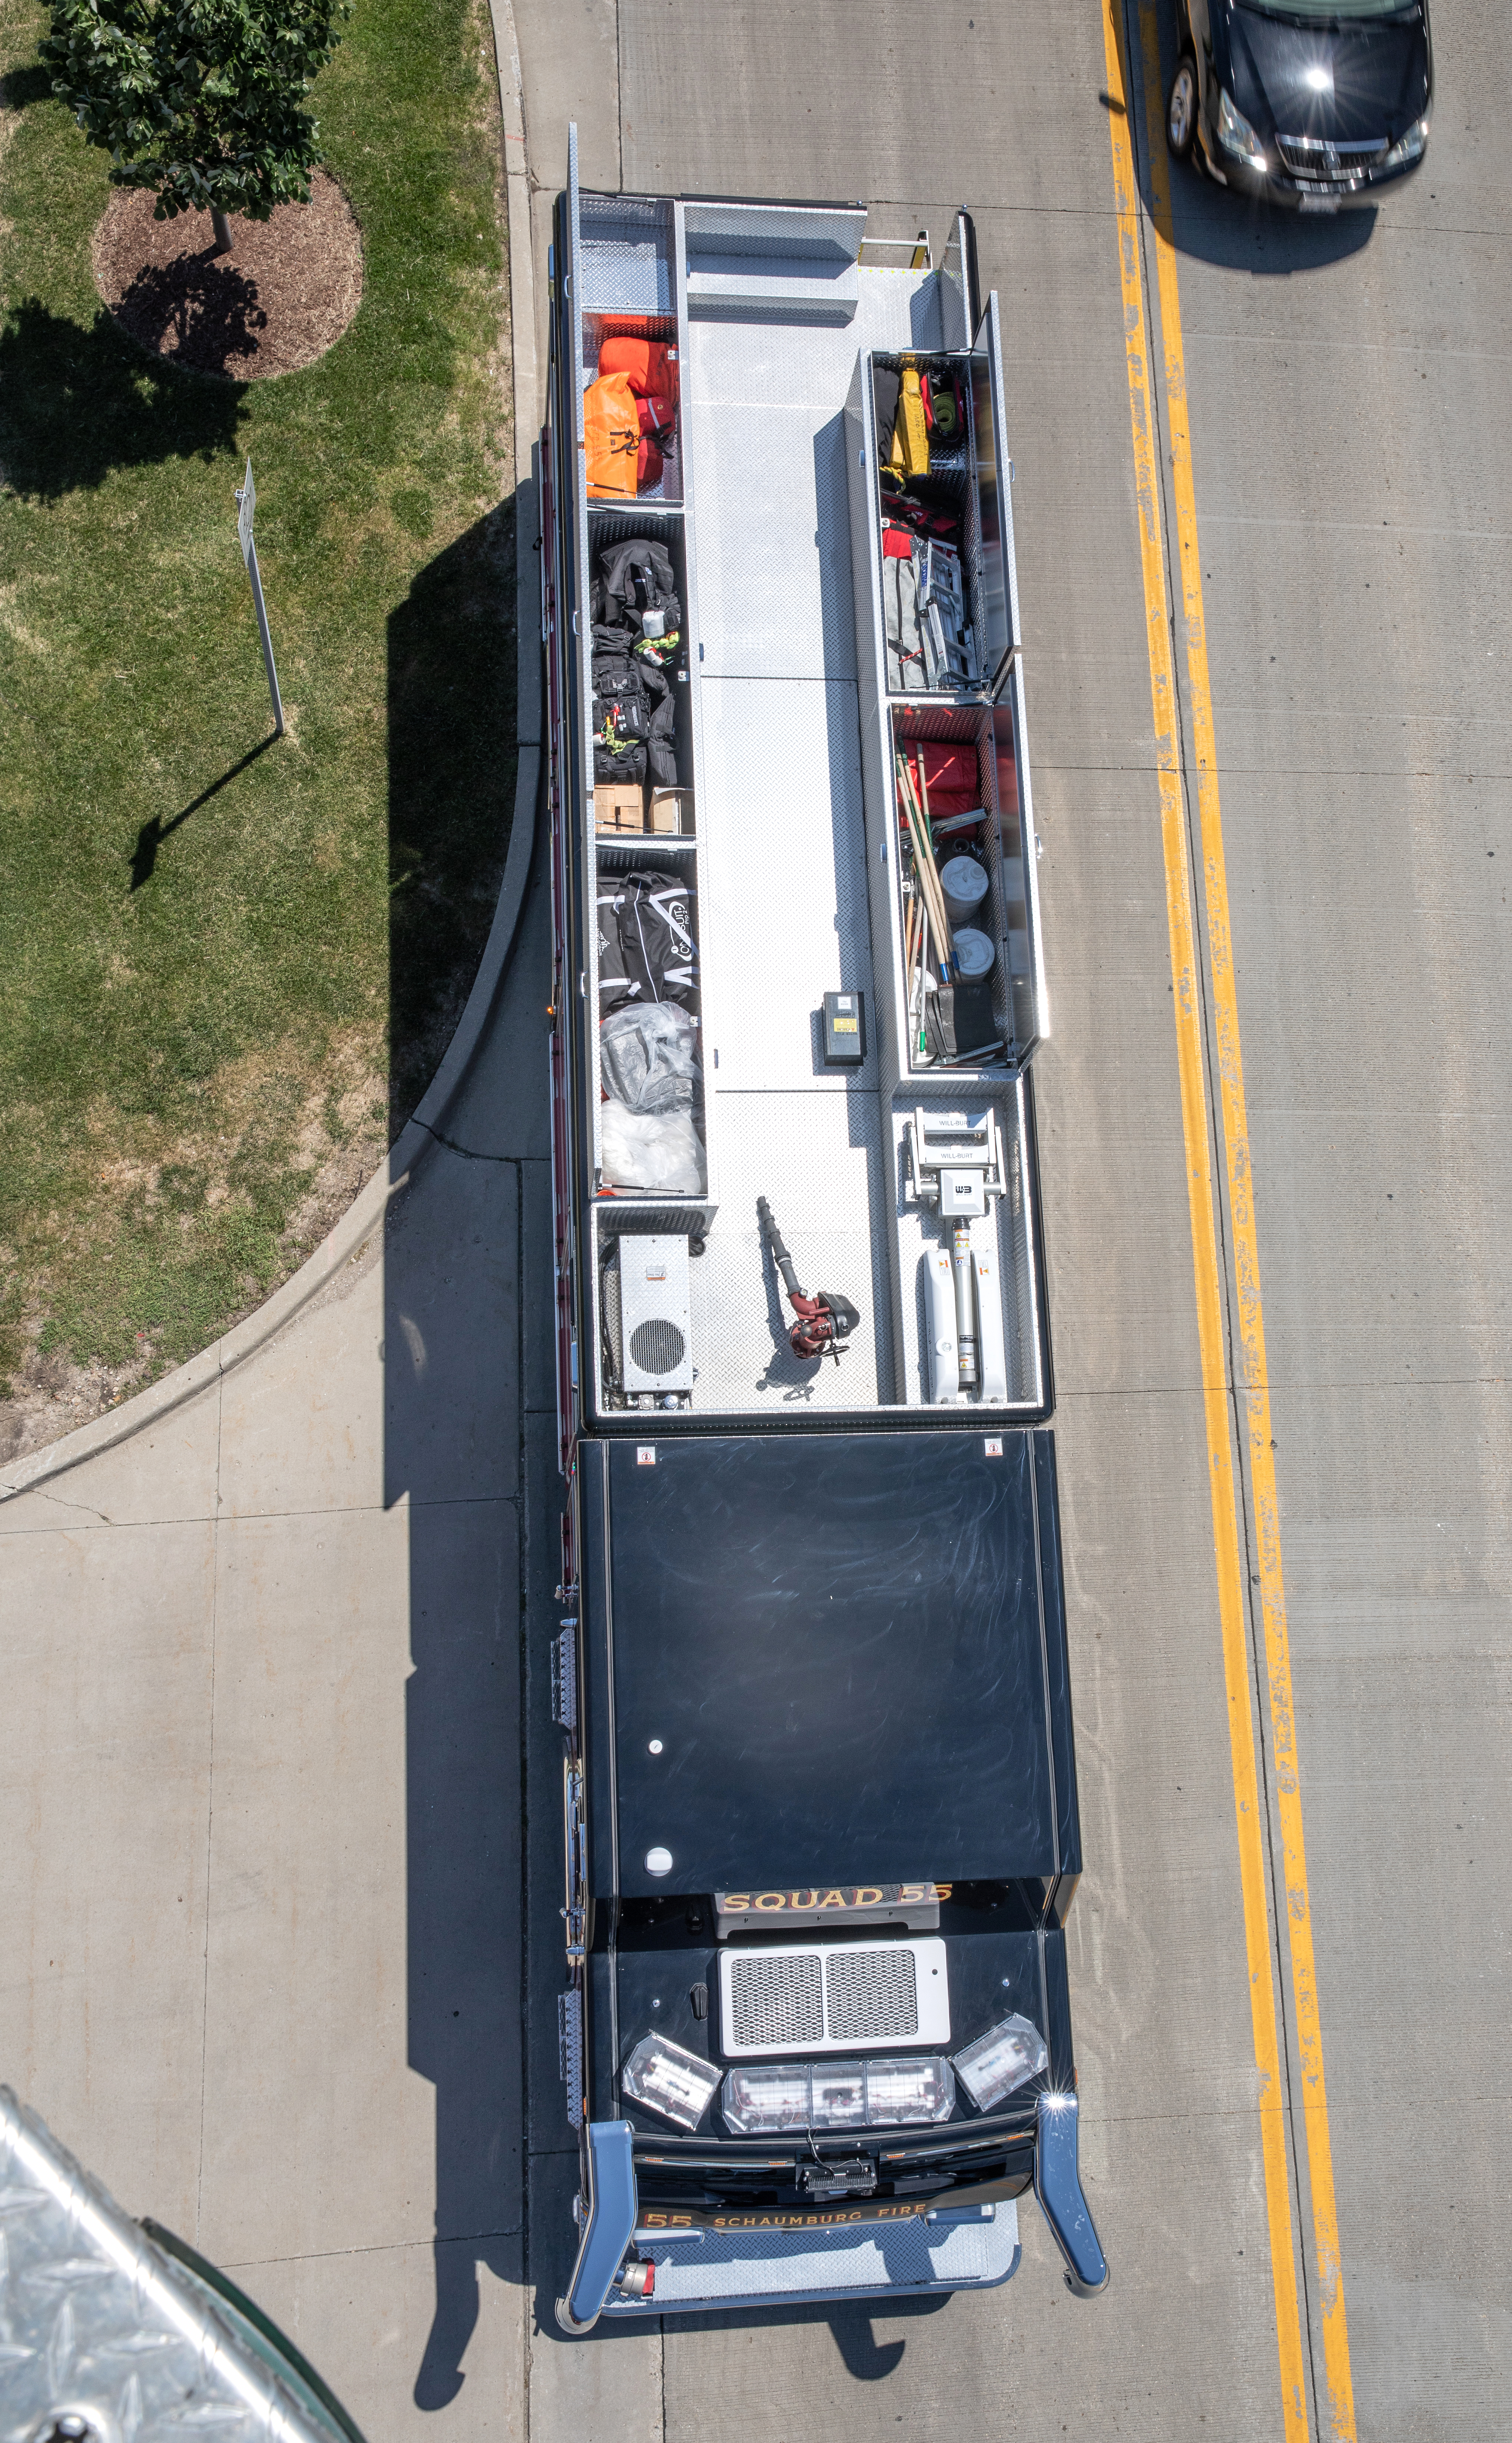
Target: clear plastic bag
656,1149
649,1056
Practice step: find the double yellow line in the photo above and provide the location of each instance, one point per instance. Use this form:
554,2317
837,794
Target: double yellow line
1338,2408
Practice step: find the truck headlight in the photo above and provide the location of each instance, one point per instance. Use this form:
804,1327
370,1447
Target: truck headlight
669,2081
1009,2054
1410,147
837,2095
1236,135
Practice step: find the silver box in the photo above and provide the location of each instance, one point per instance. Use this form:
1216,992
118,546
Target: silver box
655,1331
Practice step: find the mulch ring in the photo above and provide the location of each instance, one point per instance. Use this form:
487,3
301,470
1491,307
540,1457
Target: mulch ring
286,290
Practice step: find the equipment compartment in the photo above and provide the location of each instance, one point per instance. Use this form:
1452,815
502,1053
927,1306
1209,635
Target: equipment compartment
802,1255
668,658
624,248
963,762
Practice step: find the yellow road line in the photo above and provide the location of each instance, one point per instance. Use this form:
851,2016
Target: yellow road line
1228,1546
1337,2371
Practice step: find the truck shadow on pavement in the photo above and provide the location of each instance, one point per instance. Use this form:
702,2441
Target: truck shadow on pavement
867,2359
452,1419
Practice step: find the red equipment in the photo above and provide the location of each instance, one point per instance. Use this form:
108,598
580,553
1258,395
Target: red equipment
825,1321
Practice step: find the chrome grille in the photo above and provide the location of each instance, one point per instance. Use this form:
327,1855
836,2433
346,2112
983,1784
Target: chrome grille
872,1996
777,2000
1312,157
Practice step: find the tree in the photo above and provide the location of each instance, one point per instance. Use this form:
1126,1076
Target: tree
197,99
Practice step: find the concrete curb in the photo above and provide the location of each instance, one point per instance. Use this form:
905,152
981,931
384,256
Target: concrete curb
419,1139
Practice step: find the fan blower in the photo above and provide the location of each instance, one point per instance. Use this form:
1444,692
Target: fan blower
824,1321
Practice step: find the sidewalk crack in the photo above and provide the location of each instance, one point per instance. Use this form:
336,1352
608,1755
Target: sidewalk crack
466,1151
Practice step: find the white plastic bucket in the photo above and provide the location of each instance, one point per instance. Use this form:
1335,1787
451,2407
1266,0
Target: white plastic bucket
965,885
974,953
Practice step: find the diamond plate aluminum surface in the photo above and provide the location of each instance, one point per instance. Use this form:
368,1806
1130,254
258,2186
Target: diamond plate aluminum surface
785,917
820,1159
625,255
909,2254
774,543
761,289
98,2322
782,229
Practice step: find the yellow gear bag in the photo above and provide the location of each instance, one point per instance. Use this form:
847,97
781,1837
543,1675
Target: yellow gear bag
911,438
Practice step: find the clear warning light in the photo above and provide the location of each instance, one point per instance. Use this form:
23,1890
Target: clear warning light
837,2095
1006,2057
669,2081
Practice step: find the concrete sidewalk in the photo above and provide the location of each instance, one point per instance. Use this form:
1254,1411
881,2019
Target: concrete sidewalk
261,1805
260,1795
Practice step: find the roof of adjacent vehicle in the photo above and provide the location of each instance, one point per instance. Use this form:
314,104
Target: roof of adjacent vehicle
828,1659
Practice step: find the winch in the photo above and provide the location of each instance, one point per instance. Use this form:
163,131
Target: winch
956,1166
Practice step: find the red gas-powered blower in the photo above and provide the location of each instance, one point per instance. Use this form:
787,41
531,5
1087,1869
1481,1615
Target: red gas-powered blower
825,1321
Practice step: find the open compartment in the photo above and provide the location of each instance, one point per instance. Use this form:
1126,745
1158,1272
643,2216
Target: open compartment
642,984
646,1069
965,915
932,517
864,1218
628,291
928,527
970,1321
640,708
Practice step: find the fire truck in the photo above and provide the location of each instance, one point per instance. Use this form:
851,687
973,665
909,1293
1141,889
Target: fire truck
810,1660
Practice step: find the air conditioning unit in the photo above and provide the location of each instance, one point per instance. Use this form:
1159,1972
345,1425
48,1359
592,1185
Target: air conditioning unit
655,1336
832,1997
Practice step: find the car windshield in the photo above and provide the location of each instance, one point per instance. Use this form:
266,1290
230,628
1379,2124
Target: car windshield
1324,13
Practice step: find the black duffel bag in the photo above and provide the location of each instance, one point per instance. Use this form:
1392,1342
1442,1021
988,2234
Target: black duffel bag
646,946
633,715
634,577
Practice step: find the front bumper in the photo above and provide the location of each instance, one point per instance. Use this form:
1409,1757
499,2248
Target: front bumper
954,2248
1292,193
858,2251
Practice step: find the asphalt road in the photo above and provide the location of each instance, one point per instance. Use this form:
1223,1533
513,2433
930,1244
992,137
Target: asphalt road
1352,447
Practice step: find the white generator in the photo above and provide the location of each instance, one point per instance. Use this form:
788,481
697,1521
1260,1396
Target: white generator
656,1339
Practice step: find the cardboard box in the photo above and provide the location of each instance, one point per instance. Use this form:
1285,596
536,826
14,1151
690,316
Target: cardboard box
672,813
620,806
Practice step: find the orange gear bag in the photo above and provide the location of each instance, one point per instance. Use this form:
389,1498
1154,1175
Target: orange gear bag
650,365
610,431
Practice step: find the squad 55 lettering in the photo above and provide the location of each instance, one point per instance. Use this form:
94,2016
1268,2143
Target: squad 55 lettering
839,1898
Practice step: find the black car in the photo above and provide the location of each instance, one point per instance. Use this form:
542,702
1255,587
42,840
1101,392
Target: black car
1316,105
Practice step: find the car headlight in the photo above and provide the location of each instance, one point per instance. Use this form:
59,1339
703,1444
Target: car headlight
1236,135
1410,147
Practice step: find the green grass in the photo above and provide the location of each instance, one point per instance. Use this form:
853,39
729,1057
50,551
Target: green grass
195,1013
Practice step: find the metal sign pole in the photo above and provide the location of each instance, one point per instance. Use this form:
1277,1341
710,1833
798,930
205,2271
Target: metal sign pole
246,503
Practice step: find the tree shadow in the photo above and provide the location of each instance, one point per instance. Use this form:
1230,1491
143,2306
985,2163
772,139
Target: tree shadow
1217,224
451,758
78,401
23,87
198,309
